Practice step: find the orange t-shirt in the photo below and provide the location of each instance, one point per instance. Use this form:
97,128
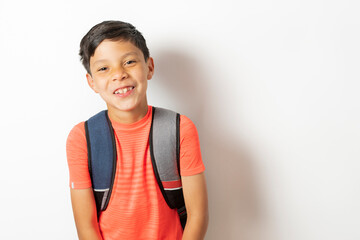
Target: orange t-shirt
137,209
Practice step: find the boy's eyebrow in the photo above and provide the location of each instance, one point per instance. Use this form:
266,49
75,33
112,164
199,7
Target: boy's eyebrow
129,53
123,56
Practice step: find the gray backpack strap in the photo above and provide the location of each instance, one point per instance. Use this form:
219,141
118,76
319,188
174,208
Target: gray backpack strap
165,156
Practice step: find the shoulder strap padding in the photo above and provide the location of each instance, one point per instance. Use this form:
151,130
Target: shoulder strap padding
164,144
165,151
102,156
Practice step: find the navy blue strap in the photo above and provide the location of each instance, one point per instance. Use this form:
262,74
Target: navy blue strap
101,156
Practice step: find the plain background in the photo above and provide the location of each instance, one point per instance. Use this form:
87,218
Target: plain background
272,86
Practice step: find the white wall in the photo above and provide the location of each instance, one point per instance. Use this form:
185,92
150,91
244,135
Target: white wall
271,85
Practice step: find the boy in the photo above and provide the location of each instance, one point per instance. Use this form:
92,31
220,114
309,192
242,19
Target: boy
118,67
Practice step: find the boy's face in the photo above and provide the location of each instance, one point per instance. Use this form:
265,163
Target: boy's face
119,74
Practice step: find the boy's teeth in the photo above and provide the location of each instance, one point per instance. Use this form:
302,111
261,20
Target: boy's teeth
123,90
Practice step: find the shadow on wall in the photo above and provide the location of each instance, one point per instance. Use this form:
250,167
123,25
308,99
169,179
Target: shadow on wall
234,202
179,76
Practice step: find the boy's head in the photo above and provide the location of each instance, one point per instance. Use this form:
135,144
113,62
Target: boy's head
118,67
110,30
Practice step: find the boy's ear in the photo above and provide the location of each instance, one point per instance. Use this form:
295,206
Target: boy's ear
150,63
90,81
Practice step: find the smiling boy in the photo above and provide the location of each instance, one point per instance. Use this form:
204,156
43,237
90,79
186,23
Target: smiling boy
118,67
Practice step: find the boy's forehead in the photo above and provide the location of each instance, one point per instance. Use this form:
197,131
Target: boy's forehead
110,48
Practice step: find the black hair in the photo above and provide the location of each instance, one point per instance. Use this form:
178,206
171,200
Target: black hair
112,30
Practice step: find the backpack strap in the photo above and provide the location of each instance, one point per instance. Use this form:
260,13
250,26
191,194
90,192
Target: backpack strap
164,142
101,157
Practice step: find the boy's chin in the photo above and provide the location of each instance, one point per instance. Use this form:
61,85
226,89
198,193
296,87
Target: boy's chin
127,114
127,108
121,109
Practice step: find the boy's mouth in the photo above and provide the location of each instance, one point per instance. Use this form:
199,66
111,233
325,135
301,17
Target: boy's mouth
123,90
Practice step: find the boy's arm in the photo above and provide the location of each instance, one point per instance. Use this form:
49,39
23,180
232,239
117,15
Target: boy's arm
195,195
84,209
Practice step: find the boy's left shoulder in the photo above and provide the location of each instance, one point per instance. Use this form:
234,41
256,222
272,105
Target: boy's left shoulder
188,128
186,121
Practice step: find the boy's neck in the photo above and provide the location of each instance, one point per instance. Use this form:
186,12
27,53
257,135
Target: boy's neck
128,117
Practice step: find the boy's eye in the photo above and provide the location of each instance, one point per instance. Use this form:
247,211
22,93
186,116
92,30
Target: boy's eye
130,62
102,69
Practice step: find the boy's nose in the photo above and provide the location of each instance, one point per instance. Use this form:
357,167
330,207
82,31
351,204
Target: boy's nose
119,74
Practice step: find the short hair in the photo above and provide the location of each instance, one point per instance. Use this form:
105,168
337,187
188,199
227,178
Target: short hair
112,30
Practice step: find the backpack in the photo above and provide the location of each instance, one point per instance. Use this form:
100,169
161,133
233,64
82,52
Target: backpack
164,140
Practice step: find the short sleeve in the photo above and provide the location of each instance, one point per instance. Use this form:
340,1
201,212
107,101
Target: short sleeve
190,155
76,152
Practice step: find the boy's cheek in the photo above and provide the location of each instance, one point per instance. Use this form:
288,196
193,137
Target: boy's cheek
95,87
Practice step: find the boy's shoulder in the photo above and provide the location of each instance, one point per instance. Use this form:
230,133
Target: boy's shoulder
77,133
